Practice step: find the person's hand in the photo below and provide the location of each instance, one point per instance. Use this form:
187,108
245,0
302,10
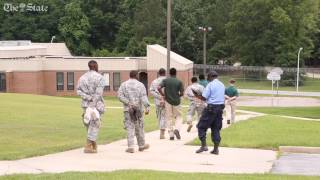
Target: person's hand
147,111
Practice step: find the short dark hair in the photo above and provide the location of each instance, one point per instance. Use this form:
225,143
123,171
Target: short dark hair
133,74
213,74
232,81
173,71
91,64
201,77
162,72
194,79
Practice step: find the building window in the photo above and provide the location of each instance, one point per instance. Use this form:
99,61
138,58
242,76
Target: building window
107,77
116,81
60,81
3,82
70,80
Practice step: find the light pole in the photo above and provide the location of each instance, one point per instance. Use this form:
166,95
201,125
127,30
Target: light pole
52,38
168,35
298,69
205,30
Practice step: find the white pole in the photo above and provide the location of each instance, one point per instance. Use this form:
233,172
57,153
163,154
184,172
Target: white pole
168,35
298,67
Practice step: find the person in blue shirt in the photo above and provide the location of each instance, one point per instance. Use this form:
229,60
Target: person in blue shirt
212,114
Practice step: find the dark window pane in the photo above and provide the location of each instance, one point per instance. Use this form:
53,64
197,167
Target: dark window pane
60,81
70,80
2,82
116,81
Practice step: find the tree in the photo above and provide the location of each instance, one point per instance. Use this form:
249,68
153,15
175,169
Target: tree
270,32
74,28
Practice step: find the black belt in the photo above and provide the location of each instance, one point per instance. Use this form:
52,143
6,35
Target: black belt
215,105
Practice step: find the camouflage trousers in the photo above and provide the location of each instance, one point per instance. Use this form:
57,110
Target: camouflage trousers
134,128
92,128
161,116
193,109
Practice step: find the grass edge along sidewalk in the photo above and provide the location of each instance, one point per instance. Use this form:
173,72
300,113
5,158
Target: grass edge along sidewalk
156,175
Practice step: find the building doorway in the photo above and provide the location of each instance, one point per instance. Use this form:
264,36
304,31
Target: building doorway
143,78
3,87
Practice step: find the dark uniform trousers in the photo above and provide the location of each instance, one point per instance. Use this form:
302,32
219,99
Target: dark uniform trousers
211,118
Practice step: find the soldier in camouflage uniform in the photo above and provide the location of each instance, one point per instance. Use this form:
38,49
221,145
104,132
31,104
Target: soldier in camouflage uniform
196,105
159,102
133,95
90,88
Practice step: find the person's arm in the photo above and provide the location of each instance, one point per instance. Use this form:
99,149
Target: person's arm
81,93
160,87
205,95
144,99
189,94
181,89
122,96
154,91
99,91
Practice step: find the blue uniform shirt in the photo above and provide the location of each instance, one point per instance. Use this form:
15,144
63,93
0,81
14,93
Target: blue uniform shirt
214,92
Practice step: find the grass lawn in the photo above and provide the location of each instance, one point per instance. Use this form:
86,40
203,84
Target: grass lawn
270,132
306,112
33,125
156,175
311,85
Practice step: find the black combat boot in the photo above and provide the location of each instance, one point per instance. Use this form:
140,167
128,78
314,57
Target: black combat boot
215,149
203,147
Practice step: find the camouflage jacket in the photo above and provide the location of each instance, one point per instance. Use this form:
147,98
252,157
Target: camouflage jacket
190,95
90,88
133,93
154,90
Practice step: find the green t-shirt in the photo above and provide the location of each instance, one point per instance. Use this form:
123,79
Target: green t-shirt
232,91
204,83
173,89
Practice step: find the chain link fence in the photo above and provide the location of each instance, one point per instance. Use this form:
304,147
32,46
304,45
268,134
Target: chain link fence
255,77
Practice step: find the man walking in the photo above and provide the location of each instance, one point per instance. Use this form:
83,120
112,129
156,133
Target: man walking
90,88
202,80
196,104
133,95
231,96
212,114
159,102
173,90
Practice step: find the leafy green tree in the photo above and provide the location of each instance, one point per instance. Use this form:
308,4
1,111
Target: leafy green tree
74,28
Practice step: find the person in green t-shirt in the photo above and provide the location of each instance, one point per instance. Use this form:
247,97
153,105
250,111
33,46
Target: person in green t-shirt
231,95
202,80
173,91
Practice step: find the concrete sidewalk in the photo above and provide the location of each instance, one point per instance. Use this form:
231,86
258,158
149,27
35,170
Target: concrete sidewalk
163,155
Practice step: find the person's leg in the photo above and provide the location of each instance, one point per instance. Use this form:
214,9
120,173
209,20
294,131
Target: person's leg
177,114
202,131
130,127
228,112
139,131
169,119
215,129
190,114
233,106
160,110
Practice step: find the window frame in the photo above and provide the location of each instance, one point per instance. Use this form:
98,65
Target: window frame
69,86
58,86
115,85
107,87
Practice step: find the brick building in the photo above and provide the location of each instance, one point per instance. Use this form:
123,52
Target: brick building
50,69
